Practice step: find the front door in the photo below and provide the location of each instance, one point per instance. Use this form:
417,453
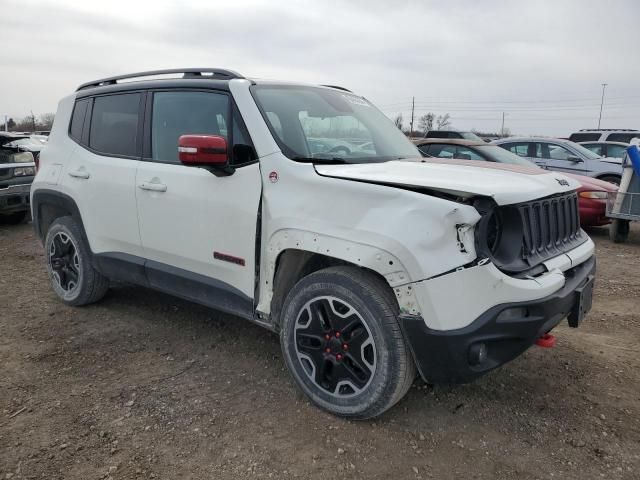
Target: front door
560,158
198,230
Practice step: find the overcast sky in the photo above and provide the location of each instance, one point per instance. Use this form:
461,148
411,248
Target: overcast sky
541,62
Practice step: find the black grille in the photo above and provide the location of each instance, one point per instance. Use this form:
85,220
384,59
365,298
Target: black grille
550,226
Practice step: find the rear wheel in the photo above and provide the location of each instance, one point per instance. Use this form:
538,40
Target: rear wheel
72,276
342,342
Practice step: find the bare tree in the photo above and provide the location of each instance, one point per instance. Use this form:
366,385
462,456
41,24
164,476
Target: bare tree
443,121
45,121
425,123
398,121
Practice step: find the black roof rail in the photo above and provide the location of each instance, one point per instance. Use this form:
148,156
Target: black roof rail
339,88
608,130
186,73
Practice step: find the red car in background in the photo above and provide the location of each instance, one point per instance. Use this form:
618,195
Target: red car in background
592,194
592,200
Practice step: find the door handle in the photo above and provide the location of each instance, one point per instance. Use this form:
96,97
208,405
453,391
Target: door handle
154,187
83,174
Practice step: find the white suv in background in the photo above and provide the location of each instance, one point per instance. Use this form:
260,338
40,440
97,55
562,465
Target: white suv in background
366,261
604,135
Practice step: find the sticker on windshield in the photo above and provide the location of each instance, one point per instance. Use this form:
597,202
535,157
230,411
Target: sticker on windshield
356,100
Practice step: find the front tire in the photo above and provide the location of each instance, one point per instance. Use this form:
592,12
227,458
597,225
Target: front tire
342,342
72,276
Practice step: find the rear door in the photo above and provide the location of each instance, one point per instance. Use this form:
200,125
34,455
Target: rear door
525,150
100,173
198,230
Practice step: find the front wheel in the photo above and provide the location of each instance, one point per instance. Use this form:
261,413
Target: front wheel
342,342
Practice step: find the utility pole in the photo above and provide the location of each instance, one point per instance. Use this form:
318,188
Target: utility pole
33,121
6,123
413,106
502,127
604,85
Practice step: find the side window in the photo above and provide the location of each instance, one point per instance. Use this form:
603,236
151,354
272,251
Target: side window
180,113
424,150
616,151
520,149
553,152
594,147
442,151
114,124
584,137
463,153
622,137
77,119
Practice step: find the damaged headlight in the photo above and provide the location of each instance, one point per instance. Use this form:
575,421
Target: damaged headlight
499,236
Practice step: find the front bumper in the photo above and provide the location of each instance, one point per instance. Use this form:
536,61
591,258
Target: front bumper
507,330
14,198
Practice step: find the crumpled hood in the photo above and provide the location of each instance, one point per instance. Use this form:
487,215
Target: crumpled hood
504,185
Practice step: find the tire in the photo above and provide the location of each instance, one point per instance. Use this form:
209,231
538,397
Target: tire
615,179
619,230
72,276
359,309
14,218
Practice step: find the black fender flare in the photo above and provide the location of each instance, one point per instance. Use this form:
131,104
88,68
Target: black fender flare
47,205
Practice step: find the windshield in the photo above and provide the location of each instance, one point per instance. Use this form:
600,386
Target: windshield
320,124
499,154
585,152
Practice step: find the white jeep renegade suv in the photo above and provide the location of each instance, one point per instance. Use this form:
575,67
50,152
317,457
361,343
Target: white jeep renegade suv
304,209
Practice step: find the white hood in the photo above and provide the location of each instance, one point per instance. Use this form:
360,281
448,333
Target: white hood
502,183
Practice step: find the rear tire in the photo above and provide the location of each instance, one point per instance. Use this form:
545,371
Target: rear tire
72,276
343,345
14,218
619,230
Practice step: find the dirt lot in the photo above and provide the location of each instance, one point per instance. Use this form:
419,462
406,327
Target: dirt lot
143,385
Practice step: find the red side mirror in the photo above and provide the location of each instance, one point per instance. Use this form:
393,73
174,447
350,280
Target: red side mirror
203,150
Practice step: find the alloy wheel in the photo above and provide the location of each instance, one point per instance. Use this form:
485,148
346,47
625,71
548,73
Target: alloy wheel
334,346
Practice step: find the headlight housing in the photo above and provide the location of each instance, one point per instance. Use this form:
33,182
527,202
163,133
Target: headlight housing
24,171
593,195
500,236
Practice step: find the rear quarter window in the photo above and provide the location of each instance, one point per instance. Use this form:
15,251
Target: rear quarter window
77,119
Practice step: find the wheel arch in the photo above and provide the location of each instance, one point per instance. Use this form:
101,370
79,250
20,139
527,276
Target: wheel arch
48,205
291,258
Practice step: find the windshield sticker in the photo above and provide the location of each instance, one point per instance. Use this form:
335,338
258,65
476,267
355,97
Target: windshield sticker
356,100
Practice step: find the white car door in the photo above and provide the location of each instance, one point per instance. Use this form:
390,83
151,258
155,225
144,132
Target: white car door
100,173
198,230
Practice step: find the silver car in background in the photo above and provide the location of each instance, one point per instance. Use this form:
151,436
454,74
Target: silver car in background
564,156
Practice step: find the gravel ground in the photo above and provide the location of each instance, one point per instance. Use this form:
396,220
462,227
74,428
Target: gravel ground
143,385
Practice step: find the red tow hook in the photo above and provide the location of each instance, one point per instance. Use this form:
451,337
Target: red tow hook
546,341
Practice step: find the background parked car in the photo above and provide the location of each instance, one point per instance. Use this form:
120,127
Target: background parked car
17,170
452,134
604,135
564,156
607,149
592,194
